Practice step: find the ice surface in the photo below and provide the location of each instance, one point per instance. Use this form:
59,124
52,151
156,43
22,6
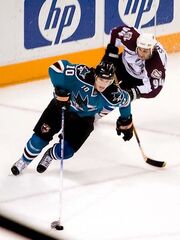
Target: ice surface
109,192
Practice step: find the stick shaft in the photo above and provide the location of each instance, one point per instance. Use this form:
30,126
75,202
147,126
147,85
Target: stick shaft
139,143
61,163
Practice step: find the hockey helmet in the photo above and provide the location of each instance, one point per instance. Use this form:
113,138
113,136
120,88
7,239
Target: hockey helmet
147,41
105,70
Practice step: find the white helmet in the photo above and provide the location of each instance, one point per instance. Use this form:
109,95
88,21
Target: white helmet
146,40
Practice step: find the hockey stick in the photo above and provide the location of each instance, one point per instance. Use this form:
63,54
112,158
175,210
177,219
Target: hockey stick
57,224
150,161
155,19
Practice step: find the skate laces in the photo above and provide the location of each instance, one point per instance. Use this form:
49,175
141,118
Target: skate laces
46,159
21,164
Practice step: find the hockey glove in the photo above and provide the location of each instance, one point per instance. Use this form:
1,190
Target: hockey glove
62,97
111,54
134,93
125,126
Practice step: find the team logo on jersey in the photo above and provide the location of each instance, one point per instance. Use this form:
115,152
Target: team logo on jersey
127,36
52,22
156,74
138,14
82,104
81,71
125,33
116,97
45,128
119,97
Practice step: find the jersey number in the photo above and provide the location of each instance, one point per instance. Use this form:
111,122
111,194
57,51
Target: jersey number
70,71
158,82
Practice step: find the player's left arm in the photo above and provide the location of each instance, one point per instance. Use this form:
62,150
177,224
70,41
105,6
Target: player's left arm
156,86
154,82
124,124
156,74
123,36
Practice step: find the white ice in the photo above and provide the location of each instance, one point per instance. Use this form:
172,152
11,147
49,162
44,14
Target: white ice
109,192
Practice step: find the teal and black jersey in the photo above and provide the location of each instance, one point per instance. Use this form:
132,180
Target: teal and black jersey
79,80
83,105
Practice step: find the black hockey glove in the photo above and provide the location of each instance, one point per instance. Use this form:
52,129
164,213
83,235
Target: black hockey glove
134,93
125,126
62,97
111,54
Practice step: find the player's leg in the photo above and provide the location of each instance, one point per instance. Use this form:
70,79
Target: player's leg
77,130
48,125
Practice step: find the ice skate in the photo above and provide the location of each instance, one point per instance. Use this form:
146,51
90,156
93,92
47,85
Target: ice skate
19,166
45,162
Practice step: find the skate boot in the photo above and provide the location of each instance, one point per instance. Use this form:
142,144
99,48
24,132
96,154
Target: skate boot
19,166
45,161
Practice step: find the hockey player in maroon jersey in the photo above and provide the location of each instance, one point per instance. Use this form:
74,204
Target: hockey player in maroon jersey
141,67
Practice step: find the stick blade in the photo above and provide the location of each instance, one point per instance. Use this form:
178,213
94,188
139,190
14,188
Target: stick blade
155,163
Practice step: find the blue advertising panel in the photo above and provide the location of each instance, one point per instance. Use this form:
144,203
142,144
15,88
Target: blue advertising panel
51,22
139,14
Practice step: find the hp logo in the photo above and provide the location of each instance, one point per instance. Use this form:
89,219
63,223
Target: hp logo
50,22
62,19
139,14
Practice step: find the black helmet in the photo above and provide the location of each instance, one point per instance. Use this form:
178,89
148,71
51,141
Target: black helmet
105,70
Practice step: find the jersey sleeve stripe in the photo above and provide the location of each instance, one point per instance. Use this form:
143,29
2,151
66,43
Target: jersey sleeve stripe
58,67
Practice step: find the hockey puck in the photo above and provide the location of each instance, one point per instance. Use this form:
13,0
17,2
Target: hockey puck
59,227
56,225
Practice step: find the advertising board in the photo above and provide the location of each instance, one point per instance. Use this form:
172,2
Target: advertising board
37,32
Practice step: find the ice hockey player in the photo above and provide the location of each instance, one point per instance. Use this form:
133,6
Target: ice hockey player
141,66
86,93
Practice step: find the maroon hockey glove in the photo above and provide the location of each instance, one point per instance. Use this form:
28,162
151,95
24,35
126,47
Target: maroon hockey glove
125,126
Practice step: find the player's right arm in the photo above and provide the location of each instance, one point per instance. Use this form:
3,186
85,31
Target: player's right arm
57,73
124,36
120,36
